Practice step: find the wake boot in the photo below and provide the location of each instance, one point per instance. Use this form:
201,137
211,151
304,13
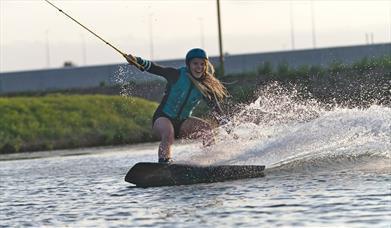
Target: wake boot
166,161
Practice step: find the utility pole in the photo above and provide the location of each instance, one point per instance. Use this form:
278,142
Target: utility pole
220,39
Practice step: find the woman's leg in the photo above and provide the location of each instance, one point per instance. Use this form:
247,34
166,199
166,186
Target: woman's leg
163,128
194,128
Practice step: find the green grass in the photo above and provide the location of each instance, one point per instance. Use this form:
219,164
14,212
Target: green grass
66,121
285,72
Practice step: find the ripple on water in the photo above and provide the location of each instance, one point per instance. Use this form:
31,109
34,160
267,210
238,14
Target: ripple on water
89,191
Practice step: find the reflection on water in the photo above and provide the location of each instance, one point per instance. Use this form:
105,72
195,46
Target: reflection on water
323,169
89,191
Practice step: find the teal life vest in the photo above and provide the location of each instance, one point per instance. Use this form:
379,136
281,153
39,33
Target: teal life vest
182,97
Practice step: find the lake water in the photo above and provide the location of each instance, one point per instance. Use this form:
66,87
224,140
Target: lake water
332,168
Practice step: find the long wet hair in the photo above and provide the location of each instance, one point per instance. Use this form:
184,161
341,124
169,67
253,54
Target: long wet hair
209,85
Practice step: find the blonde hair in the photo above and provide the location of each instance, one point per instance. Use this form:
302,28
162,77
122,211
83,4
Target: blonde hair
210,85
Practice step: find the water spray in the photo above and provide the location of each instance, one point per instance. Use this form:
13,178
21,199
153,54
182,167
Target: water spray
131,59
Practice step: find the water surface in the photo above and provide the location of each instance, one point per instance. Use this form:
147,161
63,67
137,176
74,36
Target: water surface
331,170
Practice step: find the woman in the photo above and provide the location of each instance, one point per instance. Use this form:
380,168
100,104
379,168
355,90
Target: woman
185,88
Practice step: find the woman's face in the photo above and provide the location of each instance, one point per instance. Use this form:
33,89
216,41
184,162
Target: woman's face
197,67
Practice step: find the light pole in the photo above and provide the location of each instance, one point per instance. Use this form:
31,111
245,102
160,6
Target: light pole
151,35
83,49
292,25
313,24
390,21
202,32
220,39
366,39
47,49
372,38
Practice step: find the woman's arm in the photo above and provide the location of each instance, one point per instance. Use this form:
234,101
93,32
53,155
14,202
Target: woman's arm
169,73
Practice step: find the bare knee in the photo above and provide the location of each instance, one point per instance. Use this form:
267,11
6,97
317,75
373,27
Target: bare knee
164,130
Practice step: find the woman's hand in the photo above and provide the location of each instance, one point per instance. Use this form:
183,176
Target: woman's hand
140,63
131,59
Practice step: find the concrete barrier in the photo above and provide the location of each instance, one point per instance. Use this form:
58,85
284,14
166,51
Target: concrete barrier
94,76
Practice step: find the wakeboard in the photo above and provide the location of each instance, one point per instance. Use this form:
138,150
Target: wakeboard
148,174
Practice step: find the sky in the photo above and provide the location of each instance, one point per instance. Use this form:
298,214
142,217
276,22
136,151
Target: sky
34,35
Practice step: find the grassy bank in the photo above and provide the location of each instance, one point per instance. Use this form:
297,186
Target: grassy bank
58,121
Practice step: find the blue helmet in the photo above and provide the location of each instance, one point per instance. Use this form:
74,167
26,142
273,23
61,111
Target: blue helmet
195,53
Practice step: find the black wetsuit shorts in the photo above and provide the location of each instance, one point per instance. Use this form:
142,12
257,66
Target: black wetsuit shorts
175,122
